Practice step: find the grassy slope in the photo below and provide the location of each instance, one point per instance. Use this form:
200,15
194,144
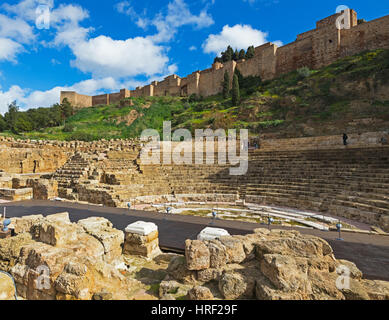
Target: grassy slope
321,102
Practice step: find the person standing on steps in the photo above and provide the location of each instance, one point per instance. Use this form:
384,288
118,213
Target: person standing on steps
345,138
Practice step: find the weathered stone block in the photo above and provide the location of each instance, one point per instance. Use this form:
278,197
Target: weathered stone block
197,255
55,233
24,224
234,249
200,293
142,239
111,238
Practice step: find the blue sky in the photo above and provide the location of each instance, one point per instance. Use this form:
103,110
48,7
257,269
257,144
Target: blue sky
101,46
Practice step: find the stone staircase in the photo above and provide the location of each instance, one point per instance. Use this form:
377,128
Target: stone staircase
348,182
74,170
353,183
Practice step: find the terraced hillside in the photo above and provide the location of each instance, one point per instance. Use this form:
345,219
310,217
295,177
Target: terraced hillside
350,95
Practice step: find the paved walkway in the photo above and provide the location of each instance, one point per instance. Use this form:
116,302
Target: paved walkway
369,252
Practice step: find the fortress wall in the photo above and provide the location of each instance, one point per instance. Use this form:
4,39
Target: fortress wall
70,95
100,99
305,35
211,79
268,60
194,83
138,92
83,101
314,49
250,67
325,46
77,100
294,55
114,97
366,36
331,20
125,93
148,91
169,86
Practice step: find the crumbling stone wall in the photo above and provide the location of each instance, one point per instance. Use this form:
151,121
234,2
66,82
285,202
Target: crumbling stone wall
31,161
273,265
77,261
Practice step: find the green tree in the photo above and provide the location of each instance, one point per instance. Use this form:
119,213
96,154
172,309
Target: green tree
250,52
66,108
226,85
217,59
242,54
239,75
11,116
3,124
235,91
228,54
235,57
23,123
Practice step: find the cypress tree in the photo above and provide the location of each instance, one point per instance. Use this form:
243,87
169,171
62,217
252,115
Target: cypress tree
235,91
228,54
250,52
226,85
236,55
217,59
240,77
242,54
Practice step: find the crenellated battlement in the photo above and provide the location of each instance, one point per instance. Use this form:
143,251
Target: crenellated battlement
313,49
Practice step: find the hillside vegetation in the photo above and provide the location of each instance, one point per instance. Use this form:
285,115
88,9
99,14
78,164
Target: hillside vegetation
351,95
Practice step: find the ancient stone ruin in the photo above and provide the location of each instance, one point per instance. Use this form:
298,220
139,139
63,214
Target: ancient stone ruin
52,258
343,182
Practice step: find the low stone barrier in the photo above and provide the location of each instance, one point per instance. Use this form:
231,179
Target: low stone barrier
141,238
274,265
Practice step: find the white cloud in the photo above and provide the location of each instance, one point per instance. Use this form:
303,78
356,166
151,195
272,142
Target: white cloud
238,37
112,63
104,56
192,48
178,14
278,43
68,14
9,49
16,29
54,61
125,8
26,9
14,93
13,32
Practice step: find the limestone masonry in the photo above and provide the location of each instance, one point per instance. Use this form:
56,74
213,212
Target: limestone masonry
314,49
86,260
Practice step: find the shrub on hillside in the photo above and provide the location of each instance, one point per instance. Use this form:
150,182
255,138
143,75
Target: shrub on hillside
82,136
304,72
68,127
